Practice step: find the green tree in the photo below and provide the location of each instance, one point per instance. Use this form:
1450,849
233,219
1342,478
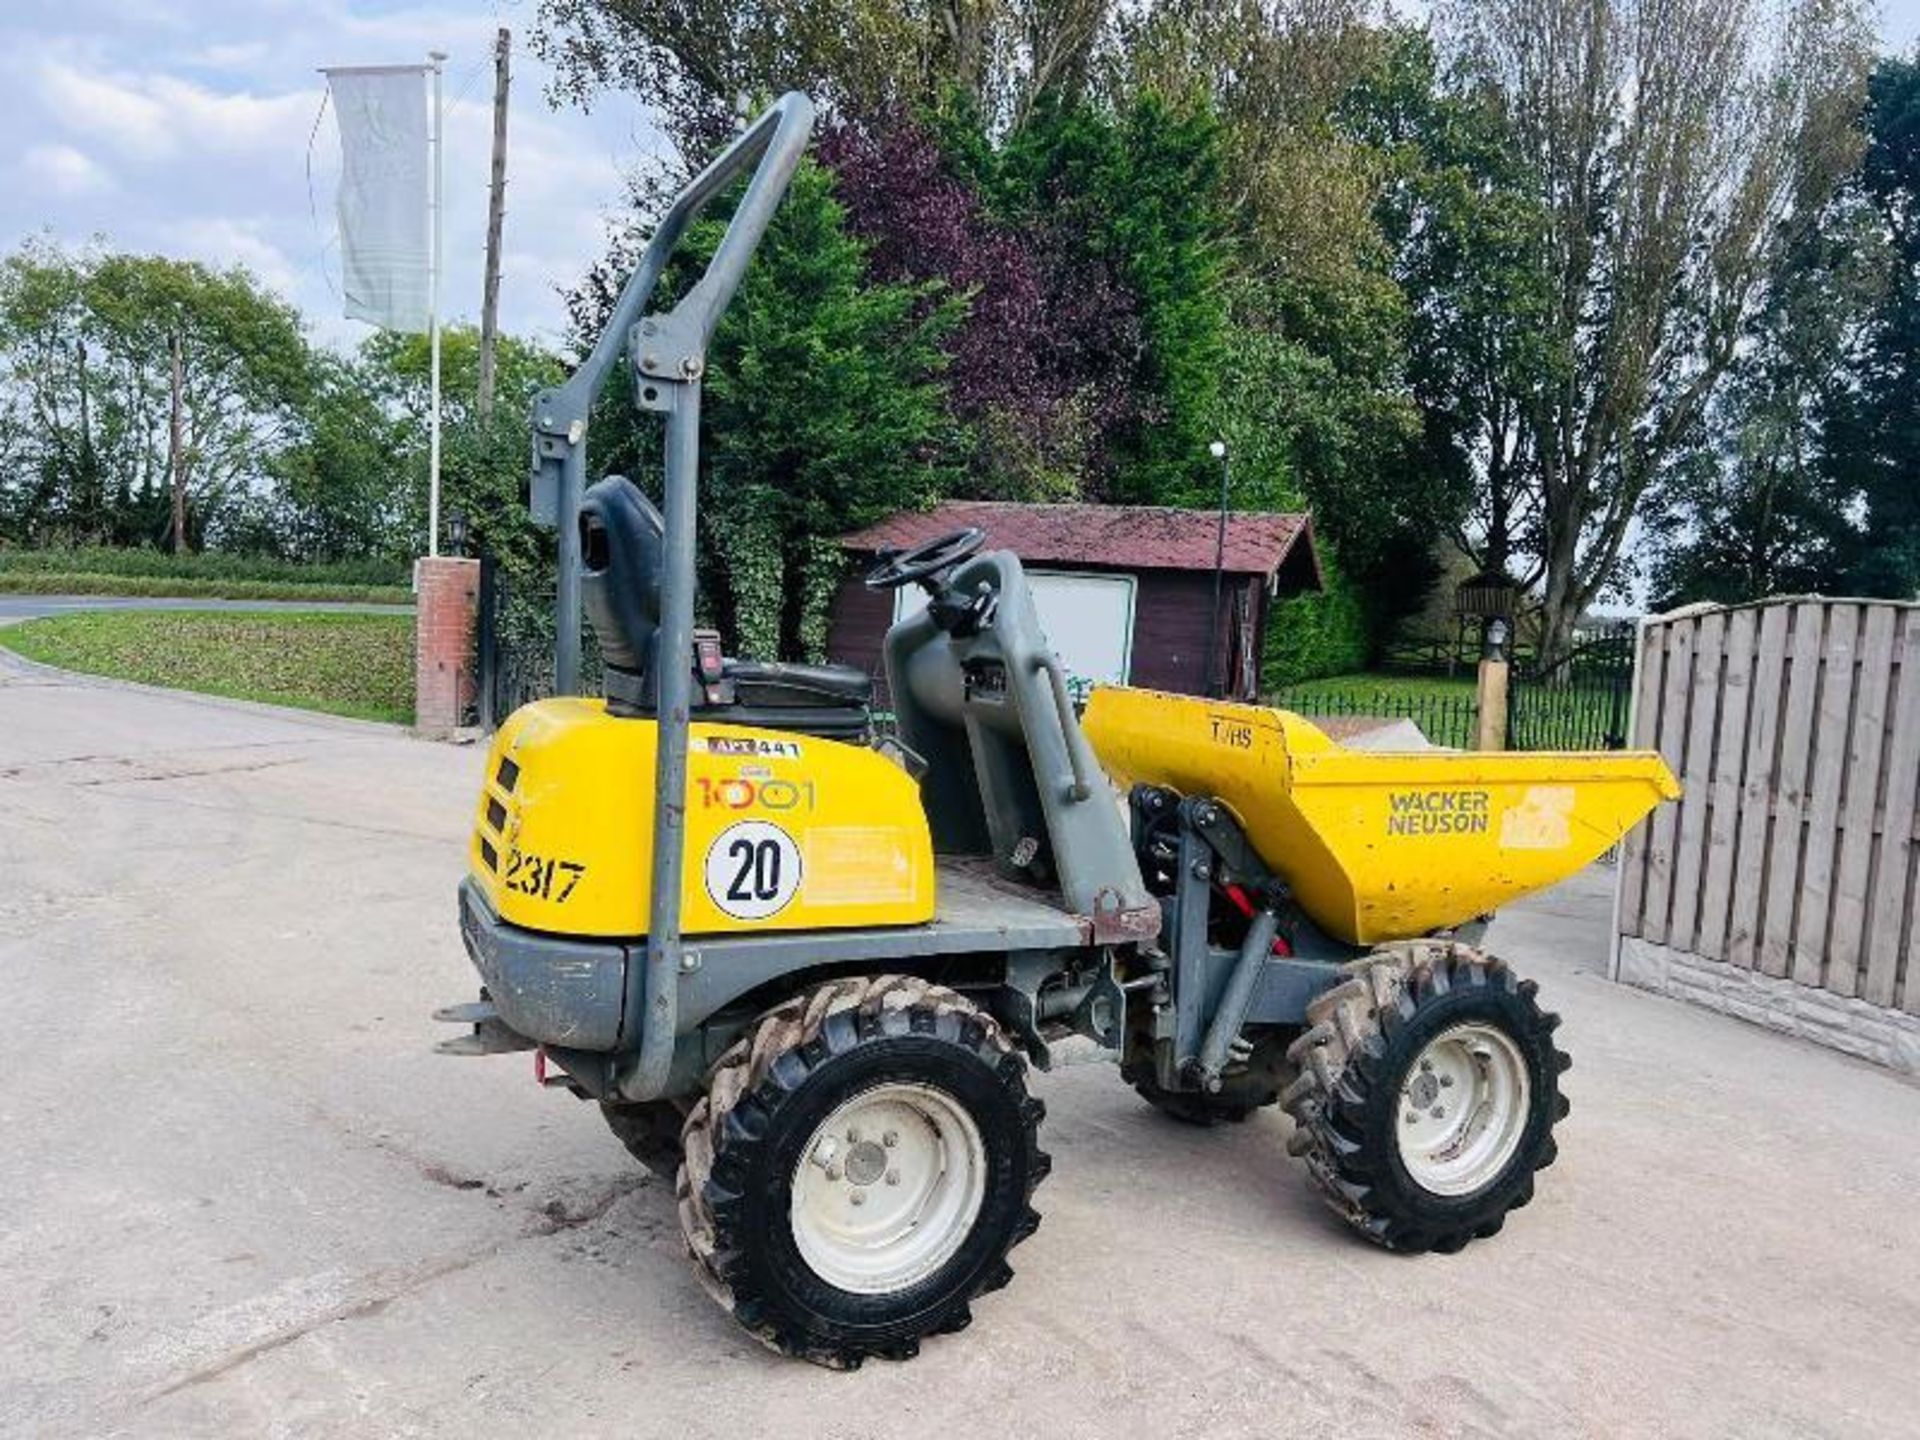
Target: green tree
1873,424
87,343
1757,505
822,413
1674,152
483,464
1134,193
339,488
1317,404
693,60
1460,224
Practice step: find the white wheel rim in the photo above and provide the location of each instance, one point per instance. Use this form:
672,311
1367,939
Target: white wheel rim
888,1188
1463,1109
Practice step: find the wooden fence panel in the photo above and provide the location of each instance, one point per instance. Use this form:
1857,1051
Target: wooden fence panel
1650,668
1703,718
1785,884
1891,934
1828,772
1783,857
1761,766
1859,806
1668,734
1725,773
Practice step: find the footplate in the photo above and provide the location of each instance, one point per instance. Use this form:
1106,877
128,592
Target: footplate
491,1035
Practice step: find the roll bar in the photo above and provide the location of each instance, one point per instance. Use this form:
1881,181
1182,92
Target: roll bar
669,356
776,140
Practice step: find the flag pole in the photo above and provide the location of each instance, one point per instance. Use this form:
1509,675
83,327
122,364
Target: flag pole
437,59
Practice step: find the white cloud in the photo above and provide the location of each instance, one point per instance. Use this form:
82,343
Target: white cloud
196,114
131,121
225,240
66,171
231,57
156,116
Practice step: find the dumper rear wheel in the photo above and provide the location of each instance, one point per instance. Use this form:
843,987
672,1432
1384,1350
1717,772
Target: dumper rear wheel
1428,1091
859,1168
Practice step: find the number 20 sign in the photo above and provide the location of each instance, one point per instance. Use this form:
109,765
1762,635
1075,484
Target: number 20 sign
752,870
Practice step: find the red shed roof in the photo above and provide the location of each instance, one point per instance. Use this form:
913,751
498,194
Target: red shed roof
1115,537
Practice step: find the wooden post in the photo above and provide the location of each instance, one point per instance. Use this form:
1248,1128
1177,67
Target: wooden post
1495,640
1493,706
496,209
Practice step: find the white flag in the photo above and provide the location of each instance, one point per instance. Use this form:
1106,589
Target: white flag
384,255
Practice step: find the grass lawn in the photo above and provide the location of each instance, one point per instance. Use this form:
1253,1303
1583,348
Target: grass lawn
358,665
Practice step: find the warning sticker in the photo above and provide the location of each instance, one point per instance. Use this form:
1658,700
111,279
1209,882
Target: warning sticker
752,870
859,865
1541,821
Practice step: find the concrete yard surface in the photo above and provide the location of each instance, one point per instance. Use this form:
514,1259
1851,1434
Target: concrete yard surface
241,1196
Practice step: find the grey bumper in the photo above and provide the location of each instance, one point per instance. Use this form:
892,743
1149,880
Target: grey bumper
562,992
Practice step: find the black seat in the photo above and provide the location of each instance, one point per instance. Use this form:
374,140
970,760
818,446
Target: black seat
621,536
767,682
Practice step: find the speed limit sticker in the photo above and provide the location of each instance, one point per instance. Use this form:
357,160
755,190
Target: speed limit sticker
753,870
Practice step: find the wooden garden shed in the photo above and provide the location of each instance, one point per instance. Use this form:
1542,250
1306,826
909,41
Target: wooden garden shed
1124,591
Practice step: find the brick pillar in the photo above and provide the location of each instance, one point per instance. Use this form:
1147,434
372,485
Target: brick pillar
443,669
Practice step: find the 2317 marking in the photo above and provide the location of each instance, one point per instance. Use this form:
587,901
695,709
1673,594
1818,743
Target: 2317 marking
536,875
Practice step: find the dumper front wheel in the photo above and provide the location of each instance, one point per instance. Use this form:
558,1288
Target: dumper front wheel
859,1168
1428,1091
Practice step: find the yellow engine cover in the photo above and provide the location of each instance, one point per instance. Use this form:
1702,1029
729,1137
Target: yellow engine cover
1377,846
784,832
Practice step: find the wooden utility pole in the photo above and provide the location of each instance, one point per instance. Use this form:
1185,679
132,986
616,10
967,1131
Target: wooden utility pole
496,209
177,450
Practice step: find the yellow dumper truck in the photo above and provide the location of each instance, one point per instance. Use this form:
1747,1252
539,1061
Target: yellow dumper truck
803,967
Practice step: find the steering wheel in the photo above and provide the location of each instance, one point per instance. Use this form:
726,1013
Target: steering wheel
928,558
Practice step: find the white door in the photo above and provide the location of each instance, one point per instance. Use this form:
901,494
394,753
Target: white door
1088,619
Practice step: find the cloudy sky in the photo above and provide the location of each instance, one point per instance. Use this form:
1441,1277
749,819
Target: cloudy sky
183,127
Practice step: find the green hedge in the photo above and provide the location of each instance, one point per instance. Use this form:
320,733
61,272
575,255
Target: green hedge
1328,633
43,582
203,565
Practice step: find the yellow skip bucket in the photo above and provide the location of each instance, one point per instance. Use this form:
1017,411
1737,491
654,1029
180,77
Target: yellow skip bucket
1377,846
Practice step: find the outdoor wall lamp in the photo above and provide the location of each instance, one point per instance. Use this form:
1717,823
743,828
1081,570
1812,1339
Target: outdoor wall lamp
1495,638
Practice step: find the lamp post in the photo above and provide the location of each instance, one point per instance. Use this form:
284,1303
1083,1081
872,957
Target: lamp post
1216,681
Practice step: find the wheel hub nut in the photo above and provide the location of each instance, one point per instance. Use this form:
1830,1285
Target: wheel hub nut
866,1163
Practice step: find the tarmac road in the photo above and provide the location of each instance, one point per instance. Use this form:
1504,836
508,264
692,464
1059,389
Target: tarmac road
239,1195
